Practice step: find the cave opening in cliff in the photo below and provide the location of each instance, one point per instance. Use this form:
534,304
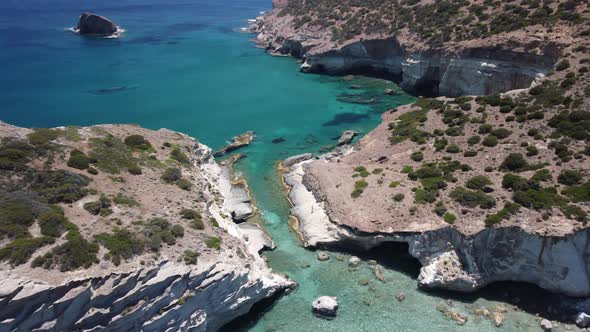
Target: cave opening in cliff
391,255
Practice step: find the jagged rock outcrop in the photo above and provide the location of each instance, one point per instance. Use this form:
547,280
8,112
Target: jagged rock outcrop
167,297
95,25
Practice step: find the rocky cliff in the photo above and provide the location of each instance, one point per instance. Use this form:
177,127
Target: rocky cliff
451,259
159,253
388,39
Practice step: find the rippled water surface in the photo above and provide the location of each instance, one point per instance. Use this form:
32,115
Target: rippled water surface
182,65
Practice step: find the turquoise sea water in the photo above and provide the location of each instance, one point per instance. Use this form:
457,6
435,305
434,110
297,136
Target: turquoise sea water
185,67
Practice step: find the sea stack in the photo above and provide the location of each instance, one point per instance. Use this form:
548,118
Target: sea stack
95,25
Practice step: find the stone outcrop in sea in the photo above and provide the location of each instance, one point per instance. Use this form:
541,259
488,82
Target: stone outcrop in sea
95,25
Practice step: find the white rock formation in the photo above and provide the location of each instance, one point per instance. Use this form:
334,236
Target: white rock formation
325,306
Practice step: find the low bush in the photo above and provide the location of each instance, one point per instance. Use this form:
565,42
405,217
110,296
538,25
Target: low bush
78,160
179,156
121,244
509,210
449,218
490,141
137,142
213,242
570,177
478,182
171,175
190,257
472,198
20,250
417,156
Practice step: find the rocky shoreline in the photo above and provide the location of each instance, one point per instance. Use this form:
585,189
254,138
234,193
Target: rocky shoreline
482,69
166,294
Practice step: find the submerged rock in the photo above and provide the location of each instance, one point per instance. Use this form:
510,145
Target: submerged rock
95,25
354,261
323,256
325,306
546,325
278,140
346,137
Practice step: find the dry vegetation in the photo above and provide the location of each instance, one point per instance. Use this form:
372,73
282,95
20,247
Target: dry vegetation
72,198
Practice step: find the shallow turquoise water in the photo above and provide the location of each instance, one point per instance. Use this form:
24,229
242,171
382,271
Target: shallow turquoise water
185,68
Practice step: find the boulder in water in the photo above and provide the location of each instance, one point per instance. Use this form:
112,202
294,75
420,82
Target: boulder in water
323,256
546,325
325,306
582,320
95,25
346,137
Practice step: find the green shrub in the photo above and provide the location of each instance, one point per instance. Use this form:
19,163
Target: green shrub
509,210
184,184
490,141
110,154
158,230
15,219
562,65
474,140
394,184
542,175
53,223
423,196
472,198
122,244
190,257
501,133
440,144
478,182
171,175
453,148
579,193
470,154
59,186
417,156
121,199
569,177
100,207
515,182
213,242
20,250
177,231
78,160
137,142
190,214
43,136
531,150
575,124
440,208
407,125
542,198
485,129
179,156
449,218
407,169
359,187
399,197
92,170
514,162
134,169
377,171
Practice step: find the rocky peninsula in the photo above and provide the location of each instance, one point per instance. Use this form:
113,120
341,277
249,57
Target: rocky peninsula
488,185
117,227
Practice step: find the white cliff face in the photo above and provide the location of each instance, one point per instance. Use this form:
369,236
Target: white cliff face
170,296
451,260
474,72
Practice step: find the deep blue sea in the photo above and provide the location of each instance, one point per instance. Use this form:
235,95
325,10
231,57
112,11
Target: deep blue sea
184,65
